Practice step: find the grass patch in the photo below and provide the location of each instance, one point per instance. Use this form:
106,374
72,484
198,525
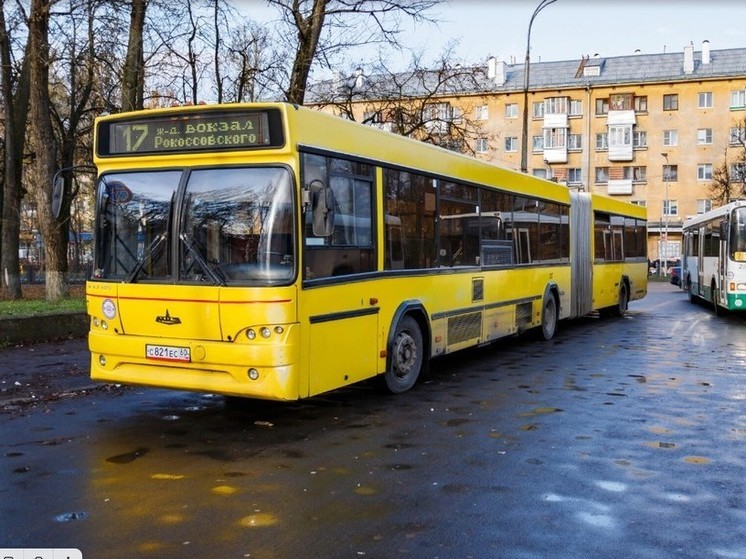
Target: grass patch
34,302
40,306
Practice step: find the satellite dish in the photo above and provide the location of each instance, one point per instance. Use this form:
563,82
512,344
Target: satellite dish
58,193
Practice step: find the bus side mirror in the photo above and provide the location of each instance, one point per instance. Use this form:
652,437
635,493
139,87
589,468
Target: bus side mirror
322,208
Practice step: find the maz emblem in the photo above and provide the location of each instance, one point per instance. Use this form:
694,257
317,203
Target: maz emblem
168,319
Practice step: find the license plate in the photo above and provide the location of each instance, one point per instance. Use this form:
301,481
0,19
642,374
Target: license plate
168,353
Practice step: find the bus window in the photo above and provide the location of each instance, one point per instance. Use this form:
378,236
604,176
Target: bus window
349,248
496,228
410,198
458,226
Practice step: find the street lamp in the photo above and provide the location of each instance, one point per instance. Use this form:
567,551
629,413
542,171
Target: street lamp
666,209
524,137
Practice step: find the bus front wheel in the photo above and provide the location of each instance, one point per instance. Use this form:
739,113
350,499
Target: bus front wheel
407,356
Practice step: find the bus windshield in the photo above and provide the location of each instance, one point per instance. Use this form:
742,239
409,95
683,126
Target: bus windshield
738,235
228,226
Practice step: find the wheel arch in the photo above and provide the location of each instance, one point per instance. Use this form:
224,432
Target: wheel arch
416,310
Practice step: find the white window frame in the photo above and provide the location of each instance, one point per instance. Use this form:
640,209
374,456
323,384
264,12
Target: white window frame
602,141
704,136
481,145
511,144
555,106
576,107
704,205
737,136
537,109
704,171
704,100
670,207
620,136
574,175
575,141
639,139
555,138
511,110
738,99
670,137
482,112
537,143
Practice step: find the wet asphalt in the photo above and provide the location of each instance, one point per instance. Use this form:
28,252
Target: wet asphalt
620,438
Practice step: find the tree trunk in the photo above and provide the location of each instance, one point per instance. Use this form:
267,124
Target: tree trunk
309,31
133,78
43,144
15,111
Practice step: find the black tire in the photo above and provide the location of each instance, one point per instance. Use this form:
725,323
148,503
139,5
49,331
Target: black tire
406,357
714,299
549,318
622,302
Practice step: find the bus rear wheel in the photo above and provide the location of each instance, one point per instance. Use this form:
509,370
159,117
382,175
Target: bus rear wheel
407,356
549,317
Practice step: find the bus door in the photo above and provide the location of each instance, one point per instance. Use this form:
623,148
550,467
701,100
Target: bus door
339,302
722,261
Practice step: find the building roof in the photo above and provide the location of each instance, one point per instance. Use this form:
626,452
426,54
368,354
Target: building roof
632,69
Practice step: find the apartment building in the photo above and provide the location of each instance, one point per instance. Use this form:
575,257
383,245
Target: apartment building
645,128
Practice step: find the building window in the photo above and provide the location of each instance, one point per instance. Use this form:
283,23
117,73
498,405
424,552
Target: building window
670,137
738,99
704,136
703,206
576,108
481,145
670,207
482,112
511,110
537,109
737,135
640,139
541,173
537,143
620,136
621,101
575,141
737,172
555,106
555,138
641,203
602,141
704,100
574,176
602,175
704,172
671,102
602,106
511,144
670,173
641,104
636,174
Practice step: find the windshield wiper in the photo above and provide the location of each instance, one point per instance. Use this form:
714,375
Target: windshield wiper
157,242
216,275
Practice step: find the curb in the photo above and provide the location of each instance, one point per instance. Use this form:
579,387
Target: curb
42,328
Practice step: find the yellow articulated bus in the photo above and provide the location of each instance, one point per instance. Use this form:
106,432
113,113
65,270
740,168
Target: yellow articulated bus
276,252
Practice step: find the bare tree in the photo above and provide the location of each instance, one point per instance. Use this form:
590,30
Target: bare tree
729,177
133,72
415,102
43,144
322,28
15,91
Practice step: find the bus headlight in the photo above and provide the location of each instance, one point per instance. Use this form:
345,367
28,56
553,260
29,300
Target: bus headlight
741,286
250,333
265,332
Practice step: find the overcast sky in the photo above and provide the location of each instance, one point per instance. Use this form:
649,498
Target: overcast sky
566,29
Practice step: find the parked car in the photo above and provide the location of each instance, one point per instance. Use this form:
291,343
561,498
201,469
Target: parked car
675,273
